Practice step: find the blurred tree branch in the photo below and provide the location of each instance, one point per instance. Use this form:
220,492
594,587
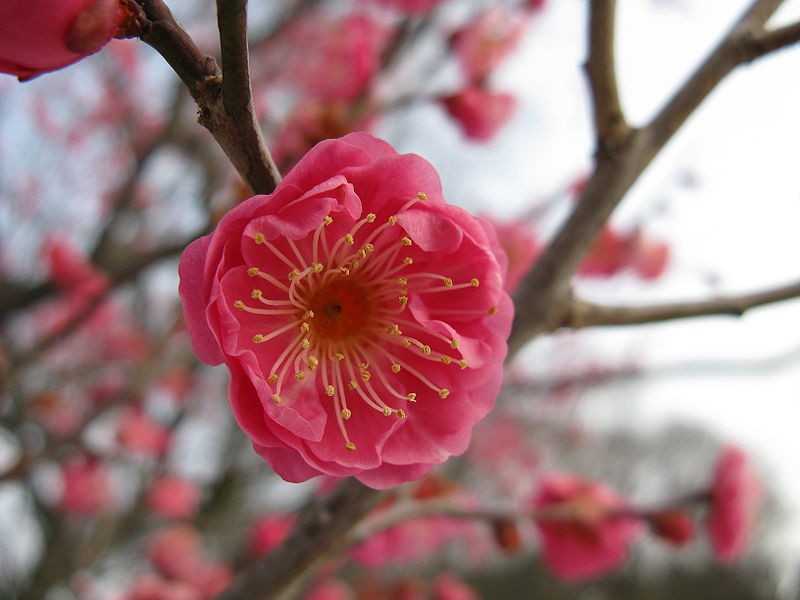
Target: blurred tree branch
543,298
588,314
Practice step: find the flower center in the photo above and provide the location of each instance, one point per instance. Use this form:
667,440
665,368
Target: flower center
342,310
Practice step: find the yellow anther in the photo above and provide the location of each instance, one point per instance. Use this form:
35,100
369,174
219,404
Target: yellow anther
293,273
406,343
330,390
309,314
350,446
371,217
422,196
352,384
403,300
401,414
448,283
387,411
305,326
253,271
365,375
317,267
346,413
276,399
446,359
299,376
463,363
426,350
272,378
406,241
239,304
392,220
256,294
408,260
474,282
394,330
454,344
258,338
354,264
344,271
259,238
338,356
396,367
411,396
348,238
312,362
493,310
305,343
361,253
402,280
369,248
444,393
327,220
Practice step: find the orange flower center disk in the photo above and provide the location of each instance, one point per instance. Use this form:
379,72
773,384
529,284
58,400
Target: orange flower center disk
342,311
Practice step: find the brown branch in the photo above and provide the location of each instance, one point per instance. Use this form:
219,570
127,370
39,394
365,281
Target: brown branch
609,120
321,529
237,95
231,123
776,39
588,314
543,298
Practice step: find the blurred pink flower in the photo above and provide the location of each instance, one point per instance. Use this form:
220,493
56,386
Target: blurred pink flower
37,36
583,538
735,499
87,489
521,246
139,433
486,40
448,586
330,589
268,532
614,251
411,7
173,497
480,113
340,56
150,587
362,318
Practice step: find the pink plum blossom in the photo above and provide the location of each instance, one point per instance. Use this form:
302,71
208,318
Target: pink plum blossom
141,434
486,40
86,487
362,318
268,532
449,587
521,246
583,534
480,113
37,36
735,498
173,497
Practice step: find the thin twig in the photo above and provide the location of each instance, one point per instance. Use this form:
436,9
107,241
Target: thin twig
588,314
609,120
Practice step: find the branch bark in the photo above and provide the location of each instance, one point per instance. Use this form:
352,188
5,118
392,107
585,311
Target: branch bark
587,314
321,530
543,298
225,109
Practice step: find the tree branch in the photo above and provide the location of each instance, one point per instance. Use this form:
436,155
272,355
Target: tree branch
609,120
321,529
543,298
776,39
231,122
237,95
587,314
